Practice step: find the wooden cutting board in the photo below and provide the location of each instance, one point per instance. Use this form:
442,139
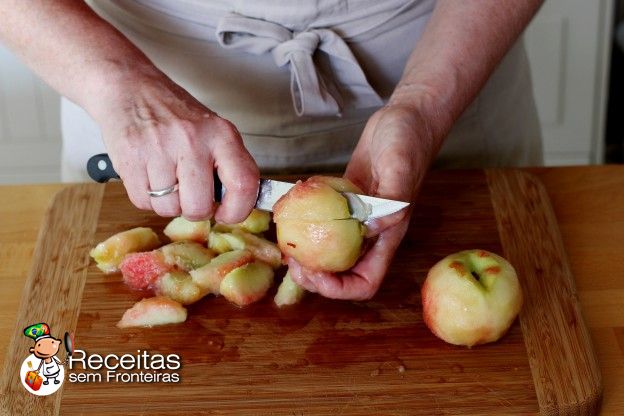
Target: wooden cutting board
323,357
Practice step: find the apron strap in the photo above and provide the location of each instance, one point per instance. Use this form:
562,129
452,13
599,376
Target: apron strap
312,95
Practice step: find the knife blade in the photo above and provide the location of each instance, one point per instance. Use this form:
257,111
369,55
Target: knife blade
362,207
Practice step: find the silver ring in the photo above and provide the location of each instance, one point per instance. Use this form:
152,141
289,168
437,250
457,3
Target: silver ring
163,192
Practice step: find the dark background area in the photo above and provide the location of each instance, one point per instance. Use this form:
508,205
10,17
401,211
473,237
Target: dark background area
614,134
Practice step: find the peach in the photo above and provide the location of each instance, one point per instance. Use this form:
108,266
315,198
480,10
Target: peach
186,255
179,286
312,200
314,225
261,248
332,246
247,284
471,297
181,229
257,222
154,311
141,270
222,242
288,292
209,277
110,253
337,183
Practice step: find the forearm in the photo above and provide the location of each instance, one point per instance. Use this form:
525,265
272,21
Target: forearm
71,48
461,46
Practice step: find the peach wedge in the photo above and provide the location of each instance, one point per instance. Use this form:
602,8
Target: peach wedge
186,255
247,284
209,277
141,270
288,292
110,253
257,222
179,286
154,311
181,229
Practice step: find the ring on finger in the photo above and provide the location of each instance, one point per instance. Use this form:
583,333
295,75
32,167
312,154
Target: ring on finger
162,192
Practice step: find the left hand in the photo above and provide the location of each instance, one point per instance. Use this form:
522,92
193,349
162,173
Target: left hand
390,161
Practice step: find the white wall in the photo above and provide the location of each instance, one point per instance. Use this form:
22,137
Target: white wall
30,133
568,44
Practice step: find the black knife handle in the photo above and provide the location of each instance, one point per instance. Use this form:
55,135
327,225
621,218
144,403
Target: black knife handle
100,169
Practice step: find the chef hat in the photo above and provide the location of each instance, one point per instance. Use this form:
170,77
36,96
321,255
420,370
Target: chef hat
38,331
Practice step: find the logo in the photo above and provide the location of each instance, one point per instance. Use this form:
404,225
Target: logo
42,373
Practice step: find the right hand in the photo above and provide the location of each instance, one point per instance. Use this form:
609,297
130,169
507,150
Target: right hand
157,134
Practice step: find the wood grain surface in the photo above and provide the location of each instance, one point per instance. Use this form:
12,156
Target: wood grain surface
54,289
565,369
321,357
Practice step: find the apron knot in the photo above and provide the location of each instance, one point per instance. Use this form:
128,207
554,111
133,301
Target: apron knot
312,94
302,42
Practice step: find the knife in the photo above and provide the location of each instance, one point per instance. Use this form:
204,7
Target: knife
362,207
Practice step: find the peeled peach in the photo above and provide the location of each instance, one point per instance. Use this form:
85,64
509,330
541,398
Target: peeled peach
313,200
330,246
314,225
471,297
110,253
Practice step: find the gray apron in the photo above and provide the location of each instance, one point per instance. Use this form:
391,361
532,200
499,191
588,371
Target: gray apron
300,78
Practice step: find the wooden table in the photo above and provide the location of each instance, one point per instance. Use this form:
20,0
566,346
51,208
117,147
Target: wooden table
588,202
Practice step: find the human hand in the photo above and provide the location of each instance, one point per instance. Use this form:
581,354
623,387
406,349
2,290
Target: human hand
390,161
157,134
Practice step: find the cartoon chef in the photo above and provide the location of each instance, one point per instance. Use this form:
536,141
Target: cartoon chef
46,347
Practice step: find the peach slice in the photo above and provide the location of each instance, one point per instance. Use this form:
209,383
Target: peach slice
181,229
257,222
179,286
288,292
247,284
209,277
154,311
141,270
261,248
110,253
222,242
186,255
